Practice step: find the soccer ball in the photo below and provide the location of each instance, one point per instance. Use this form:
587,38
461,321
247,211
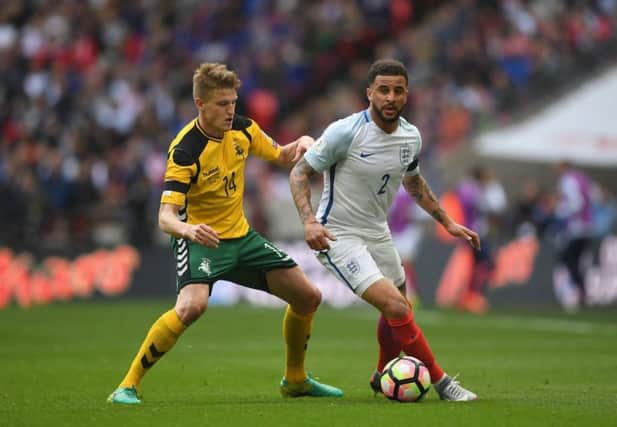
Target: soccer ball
405,379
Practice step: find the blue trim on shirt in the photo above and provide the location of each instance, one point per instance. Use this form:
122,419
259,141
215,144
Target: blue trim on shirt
324,219
367,117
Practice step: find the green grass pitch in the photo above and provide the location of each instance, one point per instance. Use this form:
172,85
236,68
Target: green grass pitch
59,363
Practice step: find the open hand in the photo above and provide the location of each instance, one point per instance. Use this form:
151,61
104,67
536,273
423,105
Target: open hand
458,230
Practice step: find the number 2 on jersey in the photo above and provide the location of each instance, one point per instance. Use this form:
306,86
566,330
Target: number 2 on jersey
385,179
230,183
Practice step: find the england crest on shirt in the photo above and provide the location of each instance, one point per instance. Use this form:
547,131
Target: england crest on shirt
405,155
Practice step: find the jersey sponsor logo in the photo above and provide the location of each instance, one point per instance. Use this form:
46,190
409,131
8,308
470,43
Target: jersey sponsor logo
204,266
365,155
211,172
405,155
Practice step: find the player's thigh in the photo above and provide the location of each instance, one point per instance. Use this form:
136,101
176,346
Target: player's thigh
198,264
387,258
258,253
264,266
351,262
292,285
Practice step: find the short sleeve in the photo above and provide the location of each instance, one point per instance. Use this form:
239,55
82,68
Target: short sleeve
332,145
262,145
178,175
414,167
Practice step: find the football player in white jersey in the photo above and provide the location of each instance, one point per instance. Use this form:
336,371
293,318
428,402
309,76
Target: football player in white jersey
364,158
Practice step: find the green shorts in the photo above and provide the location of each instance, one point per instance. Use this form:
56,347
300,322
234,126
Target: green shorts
244,261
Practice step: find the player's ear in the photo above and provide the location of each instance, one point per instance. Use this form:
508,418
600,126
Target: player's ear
199,103
369,93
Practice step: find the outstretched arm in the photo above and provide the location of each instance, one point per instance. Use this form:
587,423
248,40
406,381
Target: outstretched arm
418,188
294,151
315,234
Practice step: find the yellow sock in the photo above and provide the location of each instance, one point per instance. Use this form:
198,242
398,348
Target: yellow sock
296,331
161,337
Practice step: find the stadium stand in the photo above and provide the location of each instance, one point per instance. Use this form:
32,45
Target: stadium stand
92,91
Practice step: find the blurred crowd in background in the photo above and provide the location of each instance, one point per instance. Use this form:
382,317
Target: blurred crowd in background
92,92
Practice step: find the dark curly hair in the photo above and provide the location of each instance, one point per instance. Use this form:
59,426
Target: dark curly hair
387,67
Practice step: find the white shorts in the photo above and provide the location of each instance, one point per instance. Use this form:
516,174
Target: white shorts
359,263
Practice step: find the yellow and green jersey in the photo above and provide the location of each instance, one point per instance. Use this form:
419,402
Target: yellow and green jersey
205,175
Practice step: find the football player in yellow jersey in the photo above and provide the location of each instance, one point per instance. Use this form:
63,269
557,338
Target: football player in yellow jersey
201,209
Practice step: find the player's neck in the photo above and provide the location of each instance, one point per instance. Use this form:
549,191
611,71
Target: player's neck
217,134
387,127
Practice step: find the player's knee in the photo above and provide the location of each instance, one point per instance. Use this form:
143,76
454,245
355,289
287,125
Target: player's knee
315,299
309,302
396,308
190,312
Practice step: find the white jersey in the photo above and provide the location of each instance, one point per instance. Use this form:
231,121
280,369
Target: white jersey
363,168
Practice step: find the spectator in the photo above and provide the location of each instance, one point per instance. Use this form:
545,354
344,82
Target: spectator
532,212
574,214
483,201
404,221
88,77
604,212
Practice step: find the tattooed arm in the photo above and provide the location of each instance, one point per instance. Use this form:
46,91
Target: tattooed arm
299,181
418,188
315,234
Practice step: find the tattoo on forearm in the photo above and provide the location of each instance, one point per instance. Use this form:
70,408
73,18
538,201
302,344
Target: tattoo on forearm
301,189
439,216
419,189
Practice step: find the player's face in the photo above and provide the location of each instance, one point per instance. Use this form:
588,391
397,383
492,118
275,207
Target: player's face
216,111
388,96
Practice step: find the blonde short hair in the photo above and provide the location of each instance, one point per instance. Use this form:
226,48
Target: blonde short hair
212,75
